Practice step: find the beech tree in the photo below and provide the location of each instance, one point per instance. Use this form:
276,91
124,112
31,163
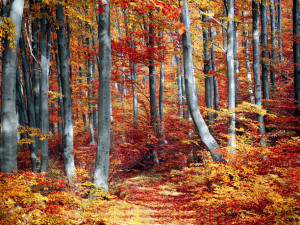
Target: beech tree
9,123
191,91
66,91
230,75
296,54
256,66
104,99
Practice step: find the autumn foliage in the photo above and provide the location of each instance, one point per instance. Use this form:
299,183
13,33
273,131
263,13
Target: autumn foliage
259,184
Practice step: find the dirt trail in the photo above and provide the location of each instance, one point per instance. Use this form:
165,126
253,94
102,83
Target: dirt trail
151,200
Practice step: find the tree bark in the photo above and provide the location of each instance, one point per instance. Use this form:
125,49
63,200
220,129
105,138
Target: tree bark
66,91
191,92
30,102
208,79
231,77
256,65
45,60
296,54
9,125
264,45
103,146
273,40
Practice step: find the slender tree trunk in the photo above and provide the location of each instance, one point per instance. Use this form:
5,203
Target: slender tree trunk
45,60
103,146
35,68
256,65
273,40
264,45
230,76
215,78
246,52
134,93
279,32
66,91
208,79
89,77
191,92
30,102
9,125
161,101
179,85
296,54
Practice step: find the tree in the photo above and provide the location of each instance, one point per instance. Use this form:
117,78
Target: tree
45,46
103,145
190,88
9,123
265,54
66,91
256,67
230,76
296,54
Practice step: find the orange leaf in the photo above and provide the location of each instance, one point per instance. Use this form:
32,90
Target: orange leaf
181,30
181,3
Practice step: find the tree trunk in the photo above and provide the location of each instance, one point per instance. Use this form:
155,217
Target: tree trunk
273,40
265,54
230,76
9,125
45,60
191,92
66,91
89,77
279,31
246,52
208,79
30,102
296,54
103,146
256,65
179,85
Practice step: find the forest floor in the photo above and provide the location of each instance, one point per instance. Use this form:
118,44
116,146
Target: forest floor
151,199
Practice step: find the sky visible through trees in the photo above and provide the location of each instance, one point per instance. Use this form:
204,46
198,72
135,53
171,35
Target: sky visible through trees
149,112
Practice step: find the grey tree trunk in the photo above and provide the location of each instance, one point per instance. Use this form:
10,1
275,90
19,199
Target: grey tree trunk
179,85
90,114
191,92
9,125
208,79
103,146
35,68
273,40
152,83
246,52
256,64
45,42
66,91
296,54
161,101
134,93
215,78
231,77
265,54
30,102
279,31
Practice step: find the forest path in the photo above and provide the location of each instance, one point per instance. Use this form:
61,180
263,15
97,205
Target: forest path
151,199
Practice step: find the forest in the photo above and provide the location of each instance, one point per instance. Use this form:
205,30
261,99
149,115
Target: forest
149,112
